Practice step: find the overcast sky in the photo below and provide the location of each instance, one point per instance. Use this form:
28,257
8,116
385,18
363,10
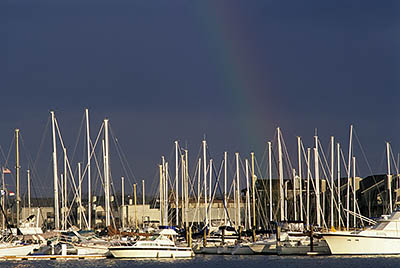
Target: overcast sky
232,71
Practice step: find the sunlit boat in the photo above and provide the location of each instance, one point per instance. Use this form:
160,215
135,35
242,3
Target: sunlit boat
159,246
382,238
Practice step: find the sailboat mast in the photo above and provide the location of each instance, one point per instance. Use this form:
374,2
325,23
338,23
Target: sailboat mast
176,184
28,173
80,194
186,188
107,173
64,182
225,185
17,174
205,180
317,192
123,202
354,192
198,189
237,191
161,195
348,180
88,170
389,177
280,166
295,194
300,177
166,199
248,218
210,193
253,183
338,185
332,171
55,175
308,185
270,179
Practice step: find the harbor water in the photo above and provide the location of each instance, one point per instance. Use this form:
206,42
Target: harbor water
218,261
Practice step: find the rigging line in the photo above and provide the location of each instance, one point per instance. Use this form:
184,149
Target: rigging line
326,162
2,153
115,140
365,157
30,161
9,151
123,158
393,159
263,158
215,189
78,138
288,162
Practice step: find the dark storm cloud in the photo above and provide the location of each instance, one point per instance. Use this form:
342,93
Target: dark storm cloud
154,69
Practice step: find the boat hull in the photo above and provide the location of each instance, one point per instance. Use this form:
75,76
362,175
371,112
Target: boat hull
168,252
288,248
352,244
17,250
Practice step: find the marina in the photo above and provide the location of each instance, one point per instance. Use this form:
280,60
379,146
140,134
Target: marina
199,134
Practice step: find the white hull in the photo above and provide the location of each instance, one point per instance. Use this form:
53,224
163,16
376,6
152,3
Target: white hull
166,252
92,250
293,248
225,250
354,244
243,249
264,247
16,250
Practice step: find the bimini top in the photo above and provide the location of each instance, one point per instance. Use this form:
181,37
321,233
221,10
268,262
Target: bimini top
167,232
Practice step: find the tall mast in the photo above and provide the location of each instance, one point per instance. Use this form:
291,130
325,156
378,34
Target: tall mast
186,187
237,191
389,177
354,192
183,189
205,180
294,194
64,182
123,202
210,193
308,185
88,171
55,175
338,185
161,195
248,220
225,185
166,199
107,173
144,199
253,183
270,179
348,180
317,193
280,166
135,204
3,197
176,184
28,173
198,189
332,171
300,177
80,194
17,173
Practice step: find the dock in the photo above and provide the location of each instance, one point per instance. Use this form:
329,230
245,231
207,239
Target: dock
51,257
